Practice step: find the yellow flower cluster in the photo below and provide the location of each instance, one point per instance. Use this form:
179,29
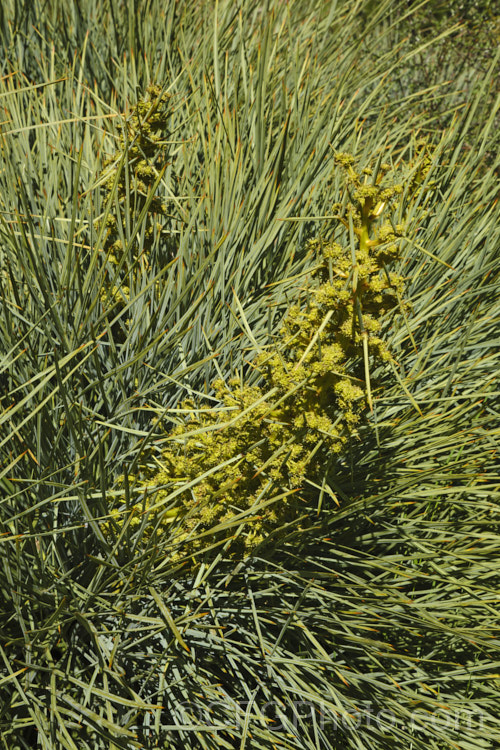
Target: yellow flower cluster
143,148
144,145
246,469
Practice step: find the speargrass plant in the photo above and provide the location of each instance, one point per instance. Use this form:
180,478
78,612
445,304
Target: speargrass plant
371,621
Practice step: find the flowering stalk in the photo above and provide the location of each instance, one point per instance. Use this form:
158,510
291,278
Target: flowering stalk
247,469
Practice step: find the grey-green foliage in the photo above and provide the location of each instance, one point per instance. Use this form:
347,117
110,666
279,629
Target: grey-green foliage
464,38
392,596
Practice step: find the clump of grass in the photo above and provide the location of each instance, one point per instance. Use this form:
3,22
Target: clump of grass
382,618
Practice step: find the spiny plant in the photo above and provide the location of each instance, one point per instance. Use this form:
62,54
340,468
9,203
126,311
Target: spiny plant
383,618
250,465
